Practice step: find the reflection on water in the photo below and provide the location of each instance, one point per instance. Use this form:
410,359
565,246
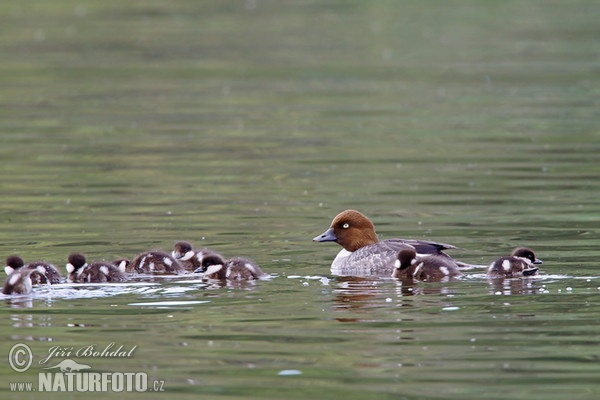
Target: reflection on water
508,286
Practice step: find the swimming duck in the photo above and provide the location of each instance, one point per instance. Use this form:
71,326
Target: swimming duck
233,269
240,268
18,282
194,260
80,271
155,261
42,271
521,262
363,254
433,268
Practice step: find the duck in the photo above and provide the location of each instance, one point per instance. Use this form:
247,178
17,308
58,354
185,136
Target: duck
242,269
18,282
98,272
233,269
193,260
153,262
433,268
42,271
521,262
363,254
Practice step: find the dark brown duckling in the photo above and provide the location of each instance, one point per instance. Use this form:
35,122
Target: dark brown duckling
195,260
98,272
153,262
432,268
42,271
521,262
240,268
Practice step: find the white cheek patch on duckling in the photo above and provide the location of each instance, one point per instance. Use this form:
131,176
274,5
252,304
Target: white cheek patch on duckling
397,264
187,255
506,265
104,270
70,268
213,268
122,266
9,270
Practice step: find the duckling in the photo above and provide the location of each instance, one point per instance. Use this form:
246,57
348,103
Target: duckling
42,271
236,268
155,261
239,268
521,262
18,282
185,254
195,260
80,271
431,268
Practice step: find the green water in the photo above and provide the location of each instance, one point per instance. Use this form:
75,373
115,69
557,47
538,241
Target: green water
246,127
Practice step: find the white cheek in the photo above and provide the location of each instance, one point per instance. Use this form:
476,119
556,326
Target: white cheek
70,268
188,255
9,270
122,266
397,264
213,268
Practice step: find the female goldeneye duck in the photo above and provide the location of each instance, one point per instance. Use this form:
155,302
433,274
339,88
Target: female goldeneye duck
80,271
521,262
240,268
363,254
42,271
18,282
155,261
432,268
